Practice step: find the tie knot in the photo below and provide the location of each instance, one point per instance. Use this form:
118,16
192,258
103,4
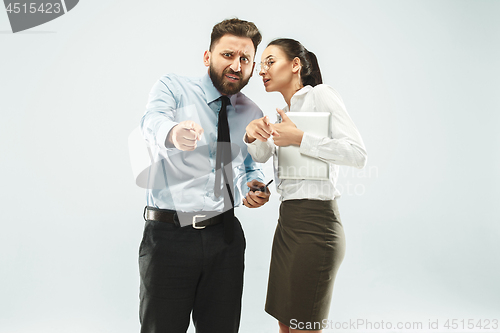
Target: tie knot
225,101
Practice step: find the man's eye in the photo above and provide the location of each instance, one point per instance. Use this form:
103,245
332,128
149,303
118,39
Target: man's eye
227,55
244,59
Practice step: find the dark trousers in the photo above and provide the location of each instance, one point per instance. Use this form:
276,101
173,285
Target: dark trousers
186,270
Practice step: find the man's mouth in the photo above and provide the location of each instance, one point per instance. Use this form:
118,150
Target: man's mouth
232,77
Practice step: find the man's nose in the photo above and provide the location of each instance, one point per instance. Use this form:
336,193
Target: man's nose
236,65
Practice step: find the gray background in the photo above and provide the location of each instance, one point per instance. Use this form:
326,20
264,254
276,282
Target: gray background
419,78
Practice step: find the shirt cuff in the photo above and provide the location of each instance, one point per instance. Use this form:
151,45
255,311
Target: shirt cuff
162,133
253,143
251,147
309,144
245,139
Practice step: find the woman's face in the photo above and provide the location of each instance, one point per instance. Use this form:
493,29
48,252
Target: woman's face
276,70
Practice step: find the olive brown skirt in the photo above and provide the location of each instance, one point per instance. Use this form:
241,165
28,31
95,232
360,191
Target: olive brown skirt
308,247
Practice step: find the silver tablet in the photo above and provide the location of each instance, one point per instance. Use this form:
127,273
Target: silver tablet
294,165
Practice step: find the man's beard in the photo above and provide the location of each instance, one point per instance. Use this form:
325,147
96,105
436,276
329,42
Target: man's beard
225,87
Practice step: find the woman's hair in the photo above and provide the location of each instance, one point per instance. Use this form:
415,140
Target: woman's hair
309,73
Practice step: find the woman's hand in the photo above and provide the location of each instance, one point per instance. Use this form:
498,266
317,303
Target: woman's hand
260,129
288,133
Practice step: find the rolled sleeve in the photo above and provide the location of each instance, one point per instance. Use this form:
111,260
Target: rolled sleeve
253,171
248,171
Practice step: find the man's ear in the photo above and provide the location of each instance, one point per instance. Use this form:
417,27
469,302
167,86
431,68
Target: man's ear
206,58
253,68
296,65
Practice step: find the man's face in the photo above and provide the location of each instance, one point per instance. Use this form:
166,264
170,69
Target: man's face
230,63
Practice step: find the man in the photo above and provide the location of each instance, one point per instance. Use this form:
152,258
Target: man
191,258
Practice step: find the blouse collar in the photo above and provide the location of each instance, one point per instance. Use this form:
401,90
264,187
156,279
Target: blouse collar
297,97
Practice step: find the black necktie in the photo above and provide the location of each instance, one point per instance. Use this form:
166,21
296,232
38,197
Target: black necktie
223,168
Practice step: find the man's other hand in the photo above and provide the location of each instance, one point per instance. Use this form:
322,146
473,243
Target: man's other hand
256,198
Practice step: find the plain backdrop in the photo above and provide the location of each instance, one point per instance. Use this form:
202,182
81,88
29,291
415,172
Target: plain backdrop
419,78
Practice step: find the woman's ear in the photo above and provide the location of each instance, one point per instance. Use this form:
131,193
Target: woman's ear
296,65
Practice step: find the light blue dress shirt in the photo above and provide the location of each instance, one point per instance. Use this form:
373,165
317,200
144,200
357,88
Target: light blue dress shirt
184,180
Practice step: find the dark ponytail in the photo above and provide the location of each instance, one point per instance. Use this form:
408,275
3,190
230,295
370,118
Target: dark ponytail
309,73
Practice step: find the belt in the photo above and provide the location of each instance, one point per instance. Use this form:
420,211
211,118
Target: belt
198,220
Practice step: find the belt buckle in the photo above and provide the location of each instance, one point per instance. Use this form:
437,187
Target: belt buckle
194,222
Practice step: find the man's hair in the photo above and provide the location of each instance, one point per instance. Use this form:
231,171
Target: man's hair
238,28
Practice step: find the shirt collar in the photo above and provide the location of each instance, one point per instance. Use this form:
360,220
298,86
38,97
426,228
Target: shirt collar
297,97
302,91
211,93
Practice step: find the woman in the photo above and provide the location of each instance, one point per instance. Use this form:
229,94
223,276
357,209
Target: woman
309,242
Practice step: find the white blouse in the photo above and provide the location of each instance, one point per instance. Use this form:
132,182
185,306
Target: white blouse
344,146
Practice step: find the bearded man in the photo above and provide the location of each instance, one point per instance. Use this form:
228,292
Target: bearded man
191,257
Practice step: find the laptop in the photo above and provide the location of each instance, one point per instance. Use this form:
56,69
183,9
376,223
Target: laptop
294,165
